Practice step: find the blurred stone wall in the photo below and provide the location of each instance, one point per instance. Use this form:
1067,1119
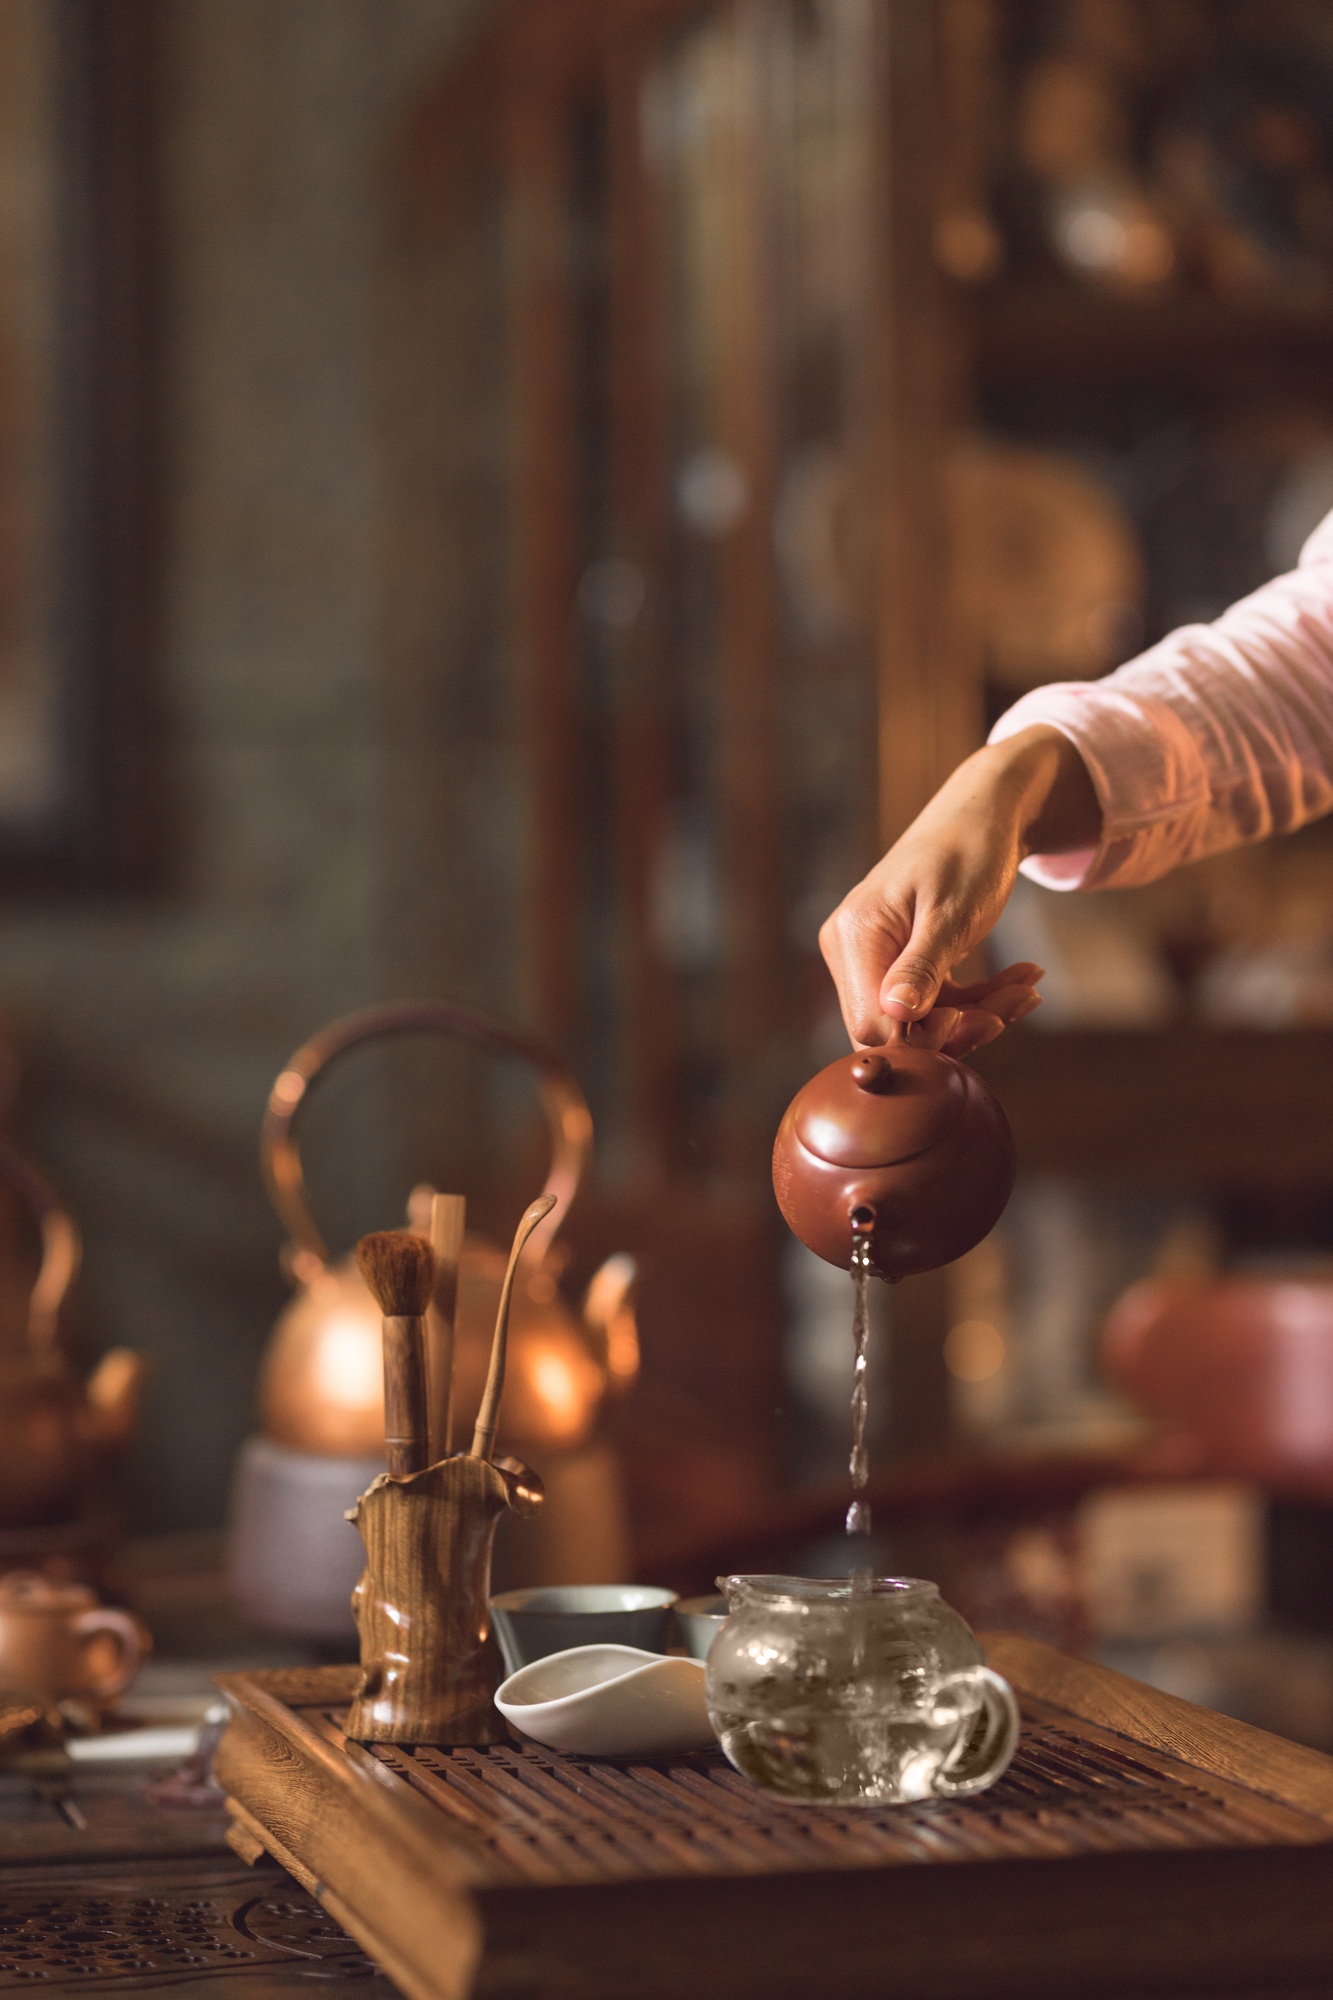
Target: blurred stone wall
151,1028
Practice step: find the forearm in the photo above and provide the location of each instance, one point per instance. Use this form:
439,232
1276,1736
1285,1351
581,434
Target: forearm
1220,735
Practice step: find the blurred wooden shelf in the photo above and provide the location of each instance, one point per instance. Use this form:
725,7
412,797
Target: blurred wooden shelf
763,1531
1053,331
1203,1107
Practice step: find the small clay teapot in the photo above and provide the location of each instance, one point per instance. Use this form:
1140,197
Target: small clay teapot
58,1643
910,1142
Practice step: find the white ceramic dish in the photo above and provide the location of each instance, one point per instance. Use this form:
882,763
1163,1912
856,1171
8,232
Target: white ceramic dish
609,1701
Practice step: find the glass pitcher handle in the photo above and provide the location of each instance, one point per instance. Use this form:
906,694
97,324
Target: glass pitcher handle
977,1761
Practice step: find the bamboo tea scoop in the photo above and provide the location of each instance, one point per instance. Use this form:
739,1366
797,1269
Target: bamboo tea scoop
488,1416
448,1217
399,1268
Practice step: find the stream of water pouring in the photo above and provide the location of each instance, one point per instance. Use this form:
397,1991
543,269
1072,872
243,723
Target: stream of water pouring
859,1521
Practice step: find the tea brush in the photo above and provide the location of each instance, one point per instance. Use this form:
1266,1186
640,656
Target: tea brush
483,1436
400,1270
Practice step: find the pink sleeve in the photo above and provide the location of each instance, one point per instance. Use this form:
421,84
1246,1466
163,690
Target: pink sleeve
1219,734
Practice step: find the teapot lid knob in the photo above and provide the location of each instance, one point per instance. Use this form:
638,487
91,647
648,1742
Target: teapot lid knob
872,1071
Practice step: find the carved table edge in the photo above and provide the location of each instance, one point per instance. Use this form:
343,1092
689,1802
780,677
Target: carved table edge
1236,1751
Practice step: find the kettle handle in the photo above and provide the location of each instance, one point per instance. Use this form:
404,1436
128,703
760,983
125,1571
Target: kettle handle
62,1246
566,1109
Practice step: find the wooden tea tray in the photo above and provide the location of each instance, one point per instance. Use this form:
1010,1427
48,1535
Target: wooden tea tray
1138,1845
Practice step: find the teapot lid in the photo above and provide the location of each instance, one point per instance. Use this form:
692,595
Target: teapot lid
29,1590
877,1107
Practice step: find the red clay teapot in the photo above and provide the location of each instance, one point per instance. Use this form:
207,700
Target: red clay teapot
905,1137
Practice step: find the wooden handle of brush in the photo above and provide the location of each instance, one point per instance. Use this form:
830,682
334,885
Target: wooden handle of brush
448,1217
406,1428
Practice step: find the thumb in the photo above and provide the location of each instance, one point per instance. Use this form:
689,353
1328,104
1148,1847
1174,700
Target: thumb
911,985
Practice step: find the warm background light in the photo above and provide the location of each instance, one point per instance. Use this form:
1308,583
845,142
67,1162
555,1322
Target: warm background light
974,1351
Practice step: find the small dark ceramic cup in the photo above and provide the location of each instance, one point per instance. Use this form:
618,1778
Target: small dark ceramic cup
531,1624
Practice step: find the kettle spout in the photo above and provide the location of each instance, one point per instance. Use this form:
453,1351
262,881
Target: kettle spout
608,1310
114,1393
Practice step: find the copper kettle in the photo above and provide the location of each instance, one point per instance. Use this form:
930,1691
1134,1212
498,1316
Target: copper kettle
911,1143
321,1384
57,1433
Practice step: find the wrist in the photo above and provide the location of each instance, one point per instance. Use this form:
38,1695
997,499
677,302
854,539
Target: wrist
1050,791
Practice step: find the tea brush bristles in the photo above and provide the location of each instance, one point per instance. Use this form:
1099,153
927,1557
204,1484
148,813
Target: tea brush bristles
399,1269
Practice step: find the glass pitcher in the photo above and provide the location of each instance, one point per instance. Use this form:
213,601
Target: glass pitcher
860,1692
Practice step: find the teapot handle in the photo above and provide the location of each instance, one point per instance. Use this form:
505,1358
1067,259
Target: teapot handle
566,1109
127,1637
979,1756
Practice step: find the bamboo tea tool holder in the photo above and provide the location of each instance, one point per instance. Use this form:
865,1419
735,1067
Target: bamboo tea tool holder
430,1664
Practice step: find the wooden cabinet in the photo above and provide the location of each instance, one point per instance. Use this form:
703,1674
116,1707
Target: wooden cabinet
1223,1112
727,537
723,583
685,260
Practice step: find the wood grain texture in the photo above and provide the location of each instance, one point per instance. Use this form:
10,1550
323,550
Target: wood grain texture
380,1863
1103,1863
244,1837
1115,1926
430,1663
1195,1736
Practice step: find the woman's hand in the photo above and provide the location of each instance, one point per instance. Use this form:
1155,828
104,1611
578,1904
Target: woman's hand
892,943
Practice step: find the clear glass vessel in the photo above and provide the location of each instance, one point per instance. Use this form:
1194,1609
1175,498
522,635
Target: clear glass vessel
860,1692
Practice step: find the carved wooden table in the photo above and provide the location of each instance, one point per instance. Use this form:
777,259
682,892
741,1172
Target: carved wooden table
176,1929
103,1888
1138,1845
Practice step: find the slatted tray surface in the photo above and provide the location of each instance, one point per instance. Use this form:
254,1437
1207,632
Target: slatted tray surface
1136,1844
542,1817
